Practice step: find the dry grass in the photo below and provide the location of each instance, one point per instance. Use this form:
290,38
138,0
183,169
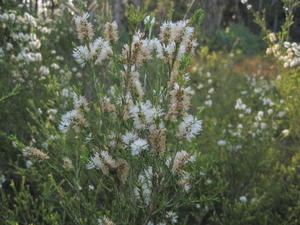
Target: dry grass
257,65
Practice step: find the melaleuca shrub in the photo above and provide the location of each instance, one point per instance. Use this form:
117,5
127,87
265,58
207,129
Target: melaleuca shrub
124,141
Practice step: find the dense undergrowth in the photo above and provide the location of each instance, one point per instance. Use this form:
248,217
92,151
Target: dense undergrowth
139,124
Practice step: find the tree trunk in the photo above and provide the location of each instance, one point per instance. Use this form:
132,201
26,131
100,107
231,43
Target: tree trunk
118,11
214,10
36,6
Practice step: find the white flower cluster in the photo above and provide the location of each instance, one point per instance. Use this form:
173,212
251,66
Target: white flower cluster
133,79
139,51
245,2
144,189
103,163
189,127
177,40
181,158
179,102
288,53
105,221
111,31
74,117
2,180
83,27
136,144
97,51
12,17
172,216
144,115
28,43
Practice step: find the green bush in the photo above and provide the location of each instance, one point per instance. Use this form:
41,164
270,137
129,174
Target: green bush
237,37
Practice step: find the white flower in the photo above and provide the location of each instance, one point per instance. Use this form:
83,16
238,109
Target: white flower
172,216
79,101
259,116
181,158
240,105
29,164
209,181
2,180
55,66
111,31
211,90
83,27
94,162
270,111
285,132
208,102
243,199
150,20
244,1
281,114
105,221
190,127
272,38
100,49
44,70
139,145
145,189
144,114
66,120
81,55
221,142
129,137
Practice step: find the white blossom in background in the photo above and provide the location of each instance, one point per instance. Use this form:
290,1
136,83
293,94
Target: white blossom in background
28,164
44,70
100,50
81,55
288,52
259,116
221,142
67,163
111,31
144,114
181,158
83,27
105,221
208,103
172,216
285,132
2,180
144,190
240,105
185,181
129,138
97,163
66,120
138,146
94,162
189,128
243,199
97,50
149,19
